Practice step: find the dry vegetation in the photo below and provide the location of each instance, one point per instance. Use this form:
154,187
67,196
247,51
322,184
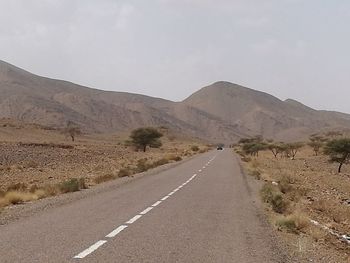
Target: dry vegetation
36,162
298,191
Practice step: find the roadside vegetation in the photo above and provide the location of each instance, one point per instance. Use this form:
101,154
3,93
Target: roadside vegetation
40,163
306,189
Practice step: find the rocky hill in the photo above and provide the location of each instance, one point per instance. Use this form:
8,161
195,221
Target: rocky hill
220,112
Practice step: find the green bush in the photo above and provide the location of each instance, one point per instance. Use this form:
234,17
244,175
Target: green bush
72,185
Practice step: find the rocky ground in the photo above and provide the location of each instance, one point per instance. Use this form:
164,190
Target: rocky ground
35,158
311,189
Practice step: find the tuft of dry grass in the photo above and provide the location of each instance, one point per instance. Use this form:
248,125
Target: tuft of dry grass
18,187
255,173
195,148
124,172
72,185
295,223
271,195
285,184
19,197
160,162
104,178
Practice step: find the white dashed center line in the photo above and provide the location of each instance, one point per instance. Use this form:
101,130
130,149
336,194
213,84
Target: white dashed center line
91,249
134,219
146,210
157,203
119,229
165,198
116,231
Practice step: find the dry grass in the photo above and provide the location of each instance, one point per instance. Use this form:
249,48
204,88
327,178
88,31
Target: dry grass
312,185
125,172
104,178
72,185
294,223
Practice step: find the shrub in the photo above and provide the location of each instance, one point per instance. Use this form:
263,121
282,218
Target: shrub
51,190
104,178
278,204
285,185
267,192
19,197
160,162
72,185
295,223
287,223
195,148
82,183
255,173
124,172
272,196
173,157
177,159
246,159
143,166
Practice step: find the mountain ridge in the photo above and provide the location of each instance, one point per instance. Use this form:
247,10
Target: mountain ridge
221,112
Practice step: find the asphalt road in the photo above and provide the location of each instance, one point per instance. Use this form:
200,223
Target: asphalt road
200,211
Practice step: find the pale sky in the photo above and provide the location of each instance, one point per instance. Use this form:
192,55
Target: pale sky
170,48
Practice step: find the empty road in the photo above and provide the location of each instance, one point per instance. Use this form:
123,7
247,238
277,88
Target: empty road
199,211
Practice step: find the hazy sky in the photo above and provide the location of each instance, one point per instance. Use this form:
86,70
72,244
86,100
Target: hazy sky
170,48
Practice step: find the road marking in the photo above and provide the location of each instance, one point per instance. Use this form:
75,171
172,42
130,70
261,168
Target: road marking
119,229
134,219
165,198
91,249
148,209
116,231
157,203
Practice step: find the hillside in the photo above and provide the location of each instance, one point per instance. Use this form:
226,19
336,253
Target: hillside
220,112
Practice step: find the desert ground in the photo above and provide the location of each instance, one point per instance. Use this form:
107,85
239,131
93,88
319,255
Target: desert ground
311,189
37,162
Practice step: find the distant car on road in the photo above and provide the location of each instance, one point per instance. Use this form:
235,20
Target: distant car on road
219,148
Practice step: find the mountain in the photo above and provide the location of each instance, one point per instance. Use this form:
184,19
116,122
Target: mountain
222,112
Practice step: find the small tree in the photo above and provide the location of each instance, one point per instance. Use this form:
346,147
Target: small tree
316,143
144,137
72,130
276,149
316,146
339,151
293,148
254,148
